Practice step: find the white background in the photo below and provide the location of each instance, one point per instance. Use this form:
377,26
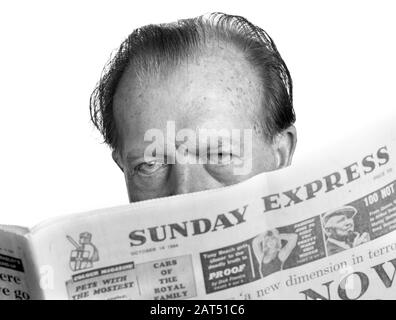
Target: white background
341,55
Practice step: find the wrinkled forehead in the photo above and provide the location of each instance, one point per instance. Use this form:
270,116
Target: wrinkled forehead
217,90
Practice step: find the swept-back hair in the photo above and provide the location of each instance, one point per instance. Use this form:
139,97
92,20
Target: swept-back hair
152,46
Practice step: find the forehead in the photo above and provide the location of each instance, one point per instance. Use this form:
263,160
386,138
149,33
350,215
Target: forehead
216,90
337,218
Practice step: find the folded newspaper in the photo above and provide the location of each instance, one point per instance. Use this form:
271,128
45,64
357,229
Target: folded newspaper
321,230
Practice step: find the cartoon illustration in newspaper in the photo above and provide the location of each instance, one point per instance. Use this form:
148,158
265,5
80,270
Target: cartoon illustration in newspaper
84,254
339,227
272,249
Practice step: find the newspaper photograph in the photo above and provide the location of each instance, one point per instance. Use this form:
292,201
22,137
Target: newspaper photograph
200,155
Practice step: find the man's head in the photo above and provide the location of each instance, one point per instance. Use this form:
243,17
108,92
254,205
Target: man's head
339,223
211,72
85,238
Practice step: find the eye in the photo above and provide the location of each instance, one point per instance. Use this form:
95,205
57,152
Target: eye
225,158
149,168
221,158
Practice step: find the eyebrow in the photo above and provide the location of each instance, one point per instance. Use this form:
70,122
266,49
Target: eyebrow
219,143
137,153
134,155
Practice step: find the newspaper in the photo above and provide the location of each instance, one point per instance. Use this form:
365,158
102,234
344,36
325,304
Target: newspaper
324,229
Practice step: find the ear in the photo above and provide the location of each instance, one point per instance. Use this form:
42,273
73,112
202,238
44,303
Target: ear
284,146
117,159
